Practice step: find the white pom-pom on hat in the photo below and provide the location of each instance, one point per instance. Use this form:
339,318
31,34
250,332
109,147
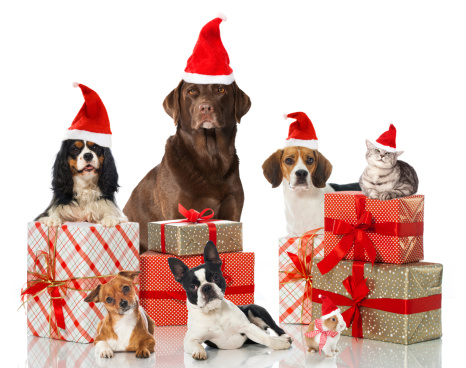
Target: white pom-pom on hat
285,116
75,84
222,16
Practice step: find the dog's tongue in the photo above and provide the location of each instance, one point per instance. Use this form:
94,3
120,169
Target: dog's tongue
89,168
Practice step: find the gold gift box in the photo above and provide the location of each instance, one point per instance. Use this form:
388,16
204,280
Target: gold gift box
405,281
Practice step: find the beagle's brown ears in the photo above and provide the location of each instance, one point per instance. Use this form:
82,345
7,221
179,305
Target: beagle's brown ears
129,274
242,103
322,171
93,296
171,104
272,168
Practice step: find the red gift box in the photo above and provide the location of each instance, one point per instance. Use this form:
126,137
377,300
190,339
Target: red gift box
364,229
164,299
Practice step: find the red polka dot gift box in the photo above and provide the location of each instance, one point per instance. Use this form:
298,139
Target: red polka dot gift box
364,229
164,299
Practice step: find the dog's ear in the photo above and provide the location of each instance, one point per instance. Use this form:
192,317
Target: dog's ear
129,274
322,171
178,268
62,182
211,253
171,104
242,103
93,296
108,179
272,168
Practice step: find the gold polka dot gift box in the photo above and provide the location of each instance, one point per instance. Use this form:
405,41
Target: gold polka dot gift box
394,303
190,235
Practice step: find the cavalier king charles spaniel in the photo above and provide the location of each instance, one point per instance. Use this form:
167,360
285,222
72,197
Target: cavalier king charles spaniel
84,183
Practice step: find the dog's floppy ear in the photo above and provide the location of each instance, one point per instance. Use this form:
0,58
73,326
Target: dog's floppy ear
62,182
108,179
93,296
211,253
272,168
242,103
171,104
129,274
322,171
178,268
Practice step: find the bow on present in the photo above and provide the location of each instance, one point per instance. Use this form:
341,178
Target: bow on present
192,216
324,334
356,286
357,235
299,268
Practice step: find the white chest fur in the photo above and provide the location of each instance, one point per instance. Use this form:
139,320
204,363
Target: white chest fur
123,329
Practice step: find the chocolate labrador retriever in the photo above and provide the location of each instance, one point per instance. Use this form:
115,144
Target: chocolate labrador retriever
200,168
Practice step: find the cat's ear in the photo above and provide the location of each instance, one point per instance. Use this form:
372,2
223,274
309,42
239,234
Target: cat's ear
369,144
398,153
322,171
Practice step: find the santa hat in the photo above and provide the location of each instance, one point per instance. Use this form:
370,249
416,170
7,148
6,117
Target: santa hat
209,62
301,132
387,141
91,123
329,309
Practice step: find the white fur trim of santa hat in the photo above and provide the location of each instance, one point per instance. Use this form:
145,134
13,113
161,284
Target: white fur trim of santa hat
207,79
104,140
333,313
386,148
309,143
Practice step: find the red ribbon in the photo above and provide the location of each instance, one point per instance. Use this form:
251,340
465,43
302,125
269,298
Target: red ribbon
192,216
181,294
357,235
356,286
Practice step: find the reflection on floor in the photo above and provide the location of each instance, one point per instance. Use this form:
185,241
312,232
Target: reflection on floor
169,353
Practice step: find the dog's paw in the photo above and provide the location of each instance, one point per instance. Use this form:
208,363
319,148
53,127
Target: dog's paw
142,353
109,221
51,221
200,354
280,343
104,352
287,337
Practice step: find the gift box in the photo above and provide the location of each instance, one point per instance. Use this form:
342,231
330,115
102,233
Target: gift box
164,299
189,236
364,229
64,264
294,256
169,347
388,302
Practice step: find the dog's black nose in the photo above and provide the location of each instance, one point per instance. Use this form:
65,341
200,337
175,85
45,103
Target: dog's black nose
206,288
301,173
206,108
123,303
88,157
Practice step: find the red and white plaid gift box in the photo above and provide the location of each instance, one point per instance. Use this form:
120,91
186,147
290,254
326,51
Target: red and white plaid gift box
295,259
164,299
372,230
64,264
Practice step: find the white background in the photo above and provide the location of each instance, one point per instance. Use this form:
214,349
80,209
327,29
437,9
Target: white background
353,67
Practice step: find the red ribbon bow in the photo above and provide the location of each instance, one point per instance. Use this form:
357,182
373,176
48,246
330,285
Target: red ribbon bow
192,216
324,334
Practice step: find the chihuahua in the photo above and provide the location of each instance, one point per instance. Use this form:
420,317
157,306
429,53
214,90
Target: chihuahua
215,321
126,327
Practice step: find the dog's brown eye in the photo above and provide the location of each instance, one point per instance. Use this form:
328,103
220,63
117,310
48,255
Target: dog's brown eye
192,287
309,160
215,278
221,90
192,91
125,288
109,300
289,161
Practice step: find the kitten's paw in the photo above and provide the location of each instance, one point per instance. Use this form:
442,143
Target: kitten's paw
142,353
280,343
199,353
109,221
51,221
386,196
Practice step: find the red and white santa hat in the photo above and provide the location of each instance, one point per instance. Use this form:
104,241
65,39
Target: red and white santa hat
91,123
302,132
329,309
209,62
387,141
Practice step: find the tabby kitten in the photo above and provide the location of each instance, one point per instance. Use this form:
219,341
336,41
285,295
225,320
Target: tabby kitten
386,177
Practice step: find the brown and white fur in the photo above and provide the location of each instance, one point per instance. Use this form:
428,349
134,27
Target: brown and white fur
335,323
84,184
126,327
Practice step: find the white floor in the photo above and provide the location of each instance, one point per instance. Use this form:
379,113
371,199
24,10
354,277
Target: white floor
362,353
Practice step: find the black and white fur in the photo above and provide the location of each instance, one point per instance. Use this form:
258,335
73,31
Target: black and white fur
84,183
216,321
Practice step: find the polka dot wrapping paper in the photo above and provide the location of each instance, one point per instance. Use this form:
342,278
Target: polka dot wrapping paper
406,282
389,249
164,299
190,238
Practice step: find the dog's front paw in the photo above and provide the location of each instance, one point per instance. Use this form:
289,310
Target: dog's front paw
51,221
280,343
103,350
109,221
142,353
285,336
200,354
